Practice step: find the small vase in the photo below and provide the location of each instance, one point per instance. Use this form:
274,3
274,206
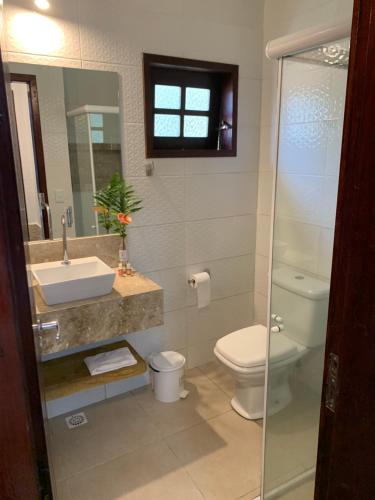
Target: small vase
122,259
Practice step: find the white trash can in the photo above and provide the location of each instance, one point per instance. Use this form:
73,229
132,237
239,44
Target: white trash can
167,375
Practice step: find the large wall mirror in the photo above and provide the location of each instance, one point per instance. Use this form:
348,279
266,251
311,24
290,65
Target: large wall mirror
68,131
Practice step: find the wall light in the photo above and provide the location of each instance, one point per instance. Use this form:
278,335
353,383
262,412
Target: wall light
42,4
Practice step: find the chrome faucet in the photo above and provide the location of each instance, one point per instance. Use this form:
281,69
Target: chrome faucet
66,219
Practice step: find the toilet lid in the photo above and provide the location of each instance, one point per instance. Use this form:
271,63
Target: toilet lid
247,347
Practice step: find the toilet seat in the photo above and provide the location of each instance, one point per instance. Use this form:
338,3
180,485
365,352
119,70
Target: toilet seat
247,348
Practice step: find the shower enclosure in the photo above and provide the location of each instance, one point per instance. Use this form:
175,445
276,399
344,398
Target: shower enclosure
95,155
312,101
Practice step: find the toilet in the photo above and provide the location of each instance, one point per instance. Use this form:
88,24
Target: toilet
302,306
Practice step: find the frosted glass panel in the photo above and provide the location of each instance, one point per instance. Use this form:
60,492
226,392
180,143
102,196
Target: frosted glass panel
312,108
167,97
195,126
167,126
97,136
96,120
197,99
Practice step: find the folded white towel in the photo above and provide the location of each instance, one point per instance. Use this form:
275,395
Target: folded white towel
109,361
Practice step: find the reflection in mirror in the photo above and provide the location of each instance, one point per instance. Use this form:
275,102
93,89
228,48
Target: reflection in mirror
69,140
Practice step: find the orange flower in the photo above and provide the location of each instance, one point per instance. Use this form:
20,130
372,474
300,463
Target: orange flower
124,219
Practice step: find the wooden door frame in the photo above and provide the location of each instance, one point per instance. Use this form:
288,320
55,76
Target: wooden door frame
30,80
346,454
23,455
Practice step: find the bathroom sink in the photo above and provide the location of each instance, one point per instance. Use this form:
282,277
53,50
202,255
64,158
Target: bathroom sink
81,279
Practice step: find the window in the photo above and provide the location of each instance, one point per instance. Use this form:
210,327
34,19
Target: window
190,107
96,128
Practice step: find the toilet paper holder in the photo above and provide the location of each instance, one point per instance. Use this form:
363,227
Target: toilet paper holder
191,281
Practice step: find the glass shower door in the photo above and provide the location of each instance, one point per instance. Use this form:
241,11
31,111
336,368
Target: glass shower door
313,93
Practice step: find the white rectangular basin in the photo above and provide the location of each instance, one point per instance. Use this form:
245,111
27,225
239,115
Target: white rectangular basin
81,279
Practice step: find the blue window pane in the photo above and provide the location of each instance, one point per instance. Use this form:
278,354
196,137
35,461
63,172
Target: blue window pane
195,126
167,126
96,120
97,136
167,97
197,99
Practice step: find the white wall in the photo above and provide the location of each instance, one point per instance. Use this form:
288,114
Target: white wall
198,213
282,18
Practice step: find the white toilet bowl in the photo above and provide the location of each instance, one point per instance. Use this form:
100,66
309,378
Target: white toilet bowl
243,353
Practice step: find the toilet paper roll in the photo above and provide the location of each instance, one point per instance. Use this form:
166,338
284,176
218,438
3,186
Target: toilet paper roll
202,282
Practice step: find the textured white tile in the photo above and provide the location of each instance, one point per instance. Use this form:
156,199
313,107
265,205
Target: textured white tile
261,274
221,195
43,60
268,148
334,144
201,353
133,94
269,102
220,318
249,101
299,196
54,34
263,235
229,277
301,242
303,148
109,32
208,43
260,309
175,287
265,191
246,160
169,166
157,247
220,238
325,252
134,145
172,335
328,202
162,199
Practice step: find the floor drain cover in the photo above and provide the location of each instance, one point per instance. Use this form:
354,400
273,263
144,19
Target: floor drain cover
76,420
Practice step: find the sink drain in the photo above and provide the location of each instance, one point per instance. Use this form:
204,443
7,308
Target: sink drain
76,420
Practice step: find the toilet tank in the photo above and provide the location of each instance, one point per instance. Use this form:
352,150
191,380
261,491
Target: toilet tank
302,302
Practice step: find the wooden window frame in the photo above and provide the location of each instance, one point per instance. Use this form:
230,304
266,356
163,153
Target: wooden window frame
221,79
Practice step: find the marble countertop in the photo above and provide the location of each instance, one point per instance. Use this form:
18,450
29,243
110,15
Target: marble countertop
135,304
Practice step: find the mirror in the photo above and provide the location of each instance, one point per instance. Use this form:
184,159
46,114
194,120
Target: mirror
69,140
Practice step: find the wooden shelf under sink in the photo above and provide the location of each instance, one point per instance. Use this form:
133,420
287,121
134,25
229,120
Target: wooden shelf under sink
69,374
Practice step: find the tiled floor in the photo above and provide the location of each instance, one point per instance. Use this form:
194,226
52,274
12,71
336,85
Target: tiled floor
134,447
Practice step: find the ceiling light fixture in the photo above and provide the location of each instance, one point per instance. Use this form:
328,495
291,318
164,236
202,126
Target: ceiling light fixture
42,4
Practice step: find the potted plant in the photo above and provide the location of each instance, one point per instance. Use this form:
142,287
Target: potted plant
114,205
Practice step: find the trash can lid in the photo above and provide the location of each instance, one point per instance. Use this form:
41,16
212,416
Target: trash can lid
167,361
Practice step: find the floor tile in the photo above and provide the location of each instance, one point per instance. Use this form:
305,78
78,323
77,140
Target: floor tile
220,376
152,472
114,427
205,401
222,455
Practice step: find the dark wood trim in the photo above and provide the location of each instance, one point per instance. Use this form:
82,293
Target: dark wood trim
23,449
38,139
224,77
346,458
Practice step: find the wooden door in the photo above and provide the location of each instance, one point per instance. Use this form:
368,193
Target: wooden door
346,456
23,457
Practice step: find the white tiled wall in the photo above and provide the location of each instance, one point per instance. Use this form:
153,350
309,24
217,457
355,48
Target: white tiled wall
199,213
306,223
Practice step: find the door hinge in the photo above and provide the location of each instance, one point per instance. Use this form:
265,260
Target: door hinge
332,382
